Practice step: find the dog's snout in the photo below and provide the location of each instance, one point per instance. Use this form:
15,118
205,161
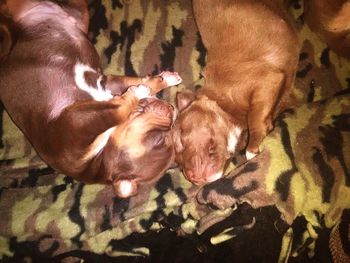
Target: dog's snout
200,172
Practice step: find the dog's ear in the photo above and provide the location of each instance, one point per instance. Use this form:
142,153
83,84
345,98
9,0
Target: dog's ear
184,99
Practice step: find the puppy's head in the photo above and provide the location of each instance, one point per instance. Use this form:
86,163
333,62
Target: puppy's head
142,148
204,138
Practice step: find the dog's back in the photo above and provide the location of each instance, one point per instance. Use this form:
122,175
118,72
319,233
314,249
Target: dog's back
330,19
243,38
47,45
252,57
251,27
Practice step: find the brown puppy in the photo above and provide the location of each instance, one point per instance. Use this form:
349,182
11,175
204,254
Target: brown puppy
53,88
251,63
330,19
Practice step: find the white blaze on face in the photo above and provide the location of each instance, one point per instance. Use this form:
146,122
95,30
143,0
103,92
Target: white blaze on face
97,92
232,139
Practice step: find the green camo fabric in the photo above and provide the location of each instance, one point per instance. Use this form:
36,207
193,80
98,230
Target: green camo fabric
303,169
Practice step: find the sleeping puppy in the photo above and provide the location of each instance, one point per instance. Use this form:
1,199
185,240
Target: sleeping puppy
75,117
330,19
251,63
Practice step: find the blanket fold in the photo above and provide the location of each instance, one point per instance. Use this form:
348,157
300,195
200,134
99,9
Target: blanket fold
291,202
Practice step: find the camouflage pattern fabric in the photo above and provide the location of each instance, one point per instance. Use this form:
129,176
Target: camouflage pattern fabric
302,173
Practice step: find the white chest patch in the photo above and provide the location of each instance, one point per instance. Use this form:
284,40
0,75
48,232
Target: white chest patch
97,92
232,139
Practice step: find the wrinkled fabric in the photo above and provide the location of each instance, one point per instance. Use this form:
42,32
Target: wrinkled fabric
303,169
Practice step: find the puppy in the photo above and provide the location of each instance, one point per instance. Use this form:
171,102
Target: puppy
53,88
251,63
330,20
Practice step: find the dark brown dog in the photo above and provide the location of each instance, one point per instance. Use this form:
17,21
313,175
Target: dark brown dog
53,88
330,19
252,58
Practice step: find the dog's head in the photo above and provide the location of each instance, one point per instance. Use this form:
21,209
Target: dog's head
141,148
204,138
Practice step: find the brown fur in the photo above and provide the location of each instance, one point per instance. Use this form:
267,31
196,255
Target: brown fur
251,63
330,19
62,121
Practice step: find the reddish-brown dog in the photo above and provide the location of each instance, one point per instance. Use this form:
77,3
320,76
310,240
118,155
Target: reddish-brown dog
252,57
54,90
330,19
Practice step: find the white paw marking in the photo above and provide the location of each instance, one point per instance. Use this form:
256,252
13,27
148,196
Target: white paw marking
249,155
97,93
125,188
141,91
171,78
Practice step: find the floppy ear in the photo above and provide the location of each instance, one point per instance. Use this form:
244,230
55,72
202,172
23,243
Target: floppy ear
157,114
125,188
184,99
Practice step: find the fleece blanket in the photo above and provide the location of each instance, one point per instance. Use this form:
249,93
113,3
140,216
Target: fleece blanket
290,203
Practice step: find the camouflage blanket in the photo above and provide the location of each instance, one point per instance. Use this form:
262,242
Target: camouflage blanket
292,201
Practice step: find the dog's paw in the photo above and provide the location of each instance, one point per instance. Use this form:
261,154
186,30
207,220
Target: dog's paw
250,155
171,78
125,188
141,91
161,81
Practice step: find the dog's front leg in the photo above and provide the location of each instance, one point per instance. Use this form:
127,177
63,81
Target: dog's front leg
119,84
263,103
